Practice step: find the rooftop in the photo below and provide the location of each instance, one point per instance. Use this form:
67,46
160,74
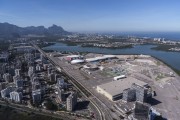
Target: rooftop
73,56
117,87
77,61
100,58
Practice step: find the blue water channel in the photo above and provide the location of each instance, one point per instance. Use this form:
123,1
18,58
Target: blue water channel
171,58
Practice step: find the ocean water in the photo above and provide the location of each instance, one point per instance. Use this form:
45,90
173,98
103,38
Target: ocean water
167,35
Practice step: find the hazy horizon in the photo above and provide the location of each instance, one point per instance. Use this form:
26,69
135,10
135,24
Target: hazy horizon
93,15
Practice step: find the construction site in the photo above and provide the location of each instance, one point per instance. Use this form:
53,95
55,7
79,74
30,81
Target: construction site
120,81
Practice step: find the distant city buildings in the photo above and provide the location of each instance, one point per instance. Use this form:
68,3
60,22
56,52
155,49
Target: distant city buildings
136,93
141,92
71,101
16,96
5,93
4,56
30,71
15,78
7,77
141,111
61,83
3,68
38,68
36,85
45,66
2,85
52,77
19,83
48,71
41,57
17,72
36,80
36,96
61,94
22,49
56,77
129,95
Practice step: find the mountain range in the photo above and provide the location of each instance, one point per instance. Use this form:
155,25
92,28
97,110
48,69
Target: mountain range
9,30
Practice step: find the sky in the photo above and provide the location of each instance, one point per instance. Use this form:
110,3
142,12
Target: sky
94,15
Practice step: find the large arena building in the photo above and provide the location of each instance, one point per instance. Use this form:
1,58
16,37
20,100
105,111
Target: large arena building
114,89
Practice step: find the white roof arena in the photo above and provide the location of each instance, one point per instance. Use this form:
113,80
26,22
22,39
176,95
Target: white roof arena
100,58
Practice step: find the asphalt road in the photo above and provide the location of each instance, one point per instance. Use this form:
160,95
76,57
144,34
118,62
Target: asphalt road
101,108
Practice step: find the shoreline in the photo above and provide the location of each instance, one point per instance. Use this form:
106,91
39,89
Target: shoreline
171,67
174,69
165,48
158,47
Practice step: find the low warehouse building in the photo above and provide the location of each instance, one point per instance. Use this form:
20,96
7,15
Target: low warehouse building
114,90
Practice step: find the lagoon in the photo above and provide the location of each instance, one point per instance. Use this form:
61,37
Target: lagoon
170,58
